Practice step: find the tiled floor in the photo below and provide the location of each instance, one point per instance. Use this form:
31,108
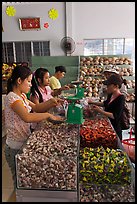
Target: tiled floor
8,194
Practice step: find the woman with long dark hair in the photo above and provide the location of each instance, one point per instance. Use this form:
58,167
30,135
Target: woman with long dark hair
40,90
18,115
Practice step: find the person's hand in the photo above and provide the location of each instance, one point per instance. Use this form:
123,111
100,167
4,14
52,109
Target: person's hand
72,86
60,101
97,108
56,101
90,101
53,101
56,118
58,91
66,87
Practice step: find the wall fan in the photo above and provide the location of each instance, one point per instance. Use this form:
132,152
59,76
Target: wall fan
68,45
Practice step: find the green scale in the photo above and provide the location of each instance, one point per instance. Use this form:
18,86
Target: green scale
75,110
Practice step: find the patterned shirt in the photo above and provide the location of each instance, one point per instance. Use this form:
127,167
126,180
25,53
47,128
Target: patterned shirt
17,130
46,95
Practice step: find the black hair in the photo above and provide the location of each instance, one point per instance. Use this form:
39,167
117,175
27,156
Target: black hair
119,85
60,69
21,72
25,64
39,73
125,82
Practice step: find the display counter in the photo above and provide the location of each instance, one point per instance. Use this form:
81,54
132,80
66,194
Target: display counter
52,165
106,172
47,165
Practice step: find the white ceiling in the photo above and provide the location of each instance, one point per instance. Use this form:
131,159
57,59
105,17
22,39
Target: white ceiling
15,2
5,3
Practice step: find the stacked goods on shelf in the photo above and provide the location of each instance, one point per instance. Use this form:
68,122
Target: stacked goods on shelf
92,86
123,71
127,73
130,97
6,73
105,60
105,175
7,70
97,132
91,72
91,75
130,90
49,158
131,84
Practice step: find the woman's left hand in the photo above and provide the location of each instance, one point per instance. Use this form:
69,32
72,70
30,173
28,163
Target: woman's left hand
97,108
60,101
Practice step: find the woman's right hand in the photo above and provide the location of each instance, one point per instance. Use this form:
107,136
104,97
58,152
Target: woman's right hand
90,101
56,118
56,101
53,101
65,87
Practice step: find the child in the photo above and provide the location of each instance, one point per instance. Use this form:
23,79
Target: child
40,90
18,116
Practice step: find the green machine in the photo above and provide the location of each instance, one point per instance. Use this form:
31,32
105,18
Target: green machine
75,110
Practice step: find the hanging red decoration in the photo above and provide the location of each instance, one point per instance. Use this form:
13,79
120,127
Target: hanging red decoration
46,25
29,23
